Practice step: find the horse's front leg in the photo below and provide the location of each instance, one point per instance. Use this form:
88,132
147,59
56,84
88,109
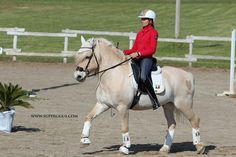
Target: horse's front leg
124,116
96,111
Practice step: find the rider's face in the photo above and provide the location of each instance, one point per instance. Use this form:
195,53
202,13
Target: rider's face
145,22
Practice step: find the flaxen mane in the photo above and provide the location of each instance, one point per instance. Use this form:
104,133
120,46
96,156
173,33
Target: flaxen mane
111,44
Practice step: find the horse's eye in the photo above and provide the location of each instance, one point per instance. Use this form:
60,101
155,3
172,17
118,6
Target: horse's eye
87,57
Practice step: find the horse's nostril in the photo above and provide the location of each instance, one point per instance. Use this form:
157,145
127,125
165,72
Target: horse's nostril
80,78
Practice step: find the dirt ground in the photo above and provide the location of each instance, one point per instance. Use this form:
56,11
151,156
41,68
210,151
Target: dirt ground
59,94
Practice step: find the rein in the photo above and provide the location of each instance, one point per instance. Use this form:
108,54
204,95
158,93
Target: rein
90,58
109,68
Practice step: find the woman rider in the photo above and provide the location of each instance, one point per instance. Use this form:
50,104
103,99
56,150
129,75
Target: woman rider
145,47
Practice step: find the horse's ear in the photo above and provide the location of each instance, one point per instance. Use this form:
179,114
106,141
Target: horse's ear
82,40
93,40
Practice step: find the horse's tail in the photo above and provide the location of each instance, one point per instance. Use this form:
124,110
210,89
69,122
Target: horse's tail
179,116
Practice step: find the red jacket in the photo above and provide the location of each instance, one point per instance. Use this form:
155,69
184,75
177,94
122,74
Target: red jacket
145,42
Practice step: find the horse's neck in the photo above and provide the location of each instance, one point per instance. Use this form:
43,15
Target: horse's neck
109,58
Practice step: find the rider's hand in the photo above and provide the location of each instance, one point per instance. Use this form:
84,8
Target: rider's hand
135,55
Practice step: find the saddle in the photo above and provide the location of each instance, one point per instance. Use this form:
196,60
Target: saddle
155,77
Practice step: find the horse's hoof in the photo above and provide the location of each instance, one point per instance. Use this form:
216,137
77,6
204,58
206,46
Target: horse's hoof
84,145
165,149
200,148
84,142
124,150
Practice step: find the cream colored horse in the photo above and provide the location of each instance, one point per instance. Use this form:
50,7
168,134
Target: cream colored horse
116,90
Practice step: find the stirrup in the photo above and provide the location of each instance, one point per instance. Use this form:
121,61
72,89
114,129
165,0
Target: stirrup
136,98
155,105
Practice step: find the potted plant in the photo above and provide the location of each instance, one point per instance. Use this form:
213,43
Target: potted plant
10,96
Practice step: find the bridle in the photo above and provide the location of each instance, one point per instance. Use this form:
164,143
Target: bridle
90,58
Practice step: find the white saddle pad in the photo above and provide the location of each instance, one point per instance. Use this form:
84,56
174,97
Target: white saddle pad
157,81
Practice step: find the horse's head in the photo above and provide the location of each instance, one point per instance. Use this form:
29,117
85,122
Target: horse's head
86,60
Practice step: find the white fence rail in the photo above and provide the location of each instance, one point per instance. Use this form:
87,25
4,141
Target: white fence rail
12,29
68,33
189,40
205,38
16,29
132,37
15,51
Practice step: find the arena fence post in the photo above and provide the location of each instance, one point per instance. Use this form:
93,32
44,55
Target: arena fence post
232,62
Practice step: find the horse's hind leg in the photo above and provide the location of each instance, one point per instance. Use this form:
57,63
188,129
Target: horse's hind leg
169,114
184,105
96,111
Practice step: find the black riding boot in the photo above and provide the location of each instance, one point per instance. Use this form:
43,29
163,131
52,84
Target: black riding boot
151,94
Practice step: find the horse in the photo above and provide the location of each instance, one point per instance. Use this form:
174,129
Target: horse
116,89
